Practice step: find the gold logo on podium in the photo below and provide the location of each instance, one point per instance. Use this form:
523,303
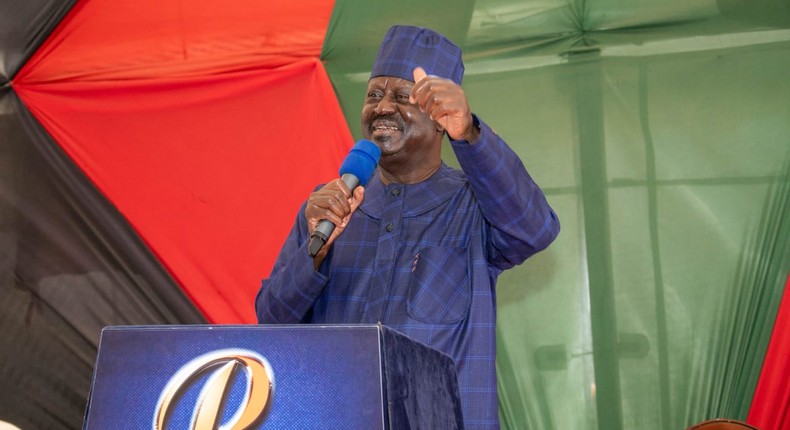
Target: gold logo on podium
208,411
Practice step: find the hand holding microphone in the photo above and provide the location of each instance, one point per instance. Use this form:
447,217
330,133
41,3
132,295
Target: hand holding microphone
332,206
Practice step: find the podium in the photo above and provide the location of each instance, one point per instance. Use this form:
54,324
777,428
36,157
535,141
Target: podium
270,377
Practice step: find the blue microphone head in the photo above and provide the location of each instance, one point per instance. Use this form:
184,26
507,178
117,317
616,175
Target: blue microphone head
361,161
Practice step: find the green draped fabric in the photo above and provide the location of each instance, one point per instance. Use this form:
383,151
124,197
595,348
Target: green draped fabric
660,132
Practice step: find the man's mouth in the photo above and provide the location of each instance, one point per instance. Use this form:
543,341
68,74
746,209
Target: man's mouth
385,126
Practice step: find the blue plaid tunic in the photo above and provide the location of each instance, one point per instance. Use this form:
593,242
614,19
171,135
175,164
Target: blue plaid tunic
423,259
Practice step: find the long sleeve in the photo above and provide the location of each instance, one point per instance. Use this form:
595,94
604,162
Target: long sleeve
522,222
288,294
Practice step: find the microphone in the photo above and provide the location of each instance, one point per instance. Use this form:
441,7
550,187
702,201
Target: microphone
356,170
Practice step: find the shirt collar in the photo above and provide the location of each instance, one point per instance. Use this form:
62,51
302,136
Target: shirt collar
417,198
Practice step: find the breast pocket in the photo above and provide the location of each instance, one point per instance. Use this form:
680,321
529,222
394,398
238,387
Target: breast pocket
440,291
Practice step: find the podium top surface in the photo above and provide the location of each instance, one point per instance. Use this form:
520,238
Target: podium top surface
250,327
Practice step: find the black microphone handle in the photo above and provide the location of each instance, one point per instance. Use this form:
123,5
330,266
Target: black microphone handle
325,228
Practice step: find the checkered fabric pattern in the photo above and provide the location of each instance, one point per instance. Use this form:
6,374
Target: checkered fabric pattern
405,47
423,259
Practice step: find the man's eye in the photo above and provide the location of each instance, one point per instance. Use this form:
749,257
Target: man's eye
374,95
403,98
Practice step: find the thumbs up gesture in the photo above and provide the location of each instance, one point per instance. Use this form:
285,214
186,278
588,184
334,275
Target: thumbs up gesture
445,102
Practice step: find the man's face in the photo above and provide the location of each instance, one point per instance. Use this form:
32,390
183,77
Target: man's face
398,127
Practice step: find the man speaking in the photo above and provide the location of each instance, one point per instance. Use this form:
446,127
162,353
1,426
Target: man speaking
420,247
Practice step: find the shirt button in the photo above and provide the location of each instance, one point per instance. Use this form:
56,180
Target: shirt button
395,192
390,227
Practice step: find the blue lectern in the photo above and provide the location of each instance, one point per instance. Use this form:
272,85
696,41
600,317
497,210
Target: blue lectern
270,377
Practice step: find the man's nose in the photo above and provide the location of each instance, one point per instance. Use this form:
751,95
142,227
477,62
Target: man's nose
386,105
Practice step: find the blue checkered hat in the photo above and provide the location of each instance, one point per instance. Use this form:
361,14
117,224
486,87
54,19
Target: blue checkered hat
406,47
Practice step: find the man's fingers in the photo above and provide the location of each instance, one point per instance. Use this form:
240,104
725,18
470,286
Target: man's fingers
342,186
419,74
317,214
339,205
359,195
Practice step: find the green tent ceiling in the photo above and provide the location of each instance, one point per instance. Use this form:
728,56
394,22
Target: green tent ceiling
661,134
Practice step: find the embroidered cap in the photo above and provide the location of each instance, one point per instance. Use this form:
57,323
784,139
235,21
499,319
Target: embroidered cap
405,47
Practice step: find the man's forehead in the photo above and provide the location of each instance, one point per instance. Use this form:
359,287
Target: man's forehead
389,81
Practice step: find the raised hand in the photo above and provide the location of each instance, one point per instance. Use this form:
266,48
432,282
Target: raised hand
445,102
